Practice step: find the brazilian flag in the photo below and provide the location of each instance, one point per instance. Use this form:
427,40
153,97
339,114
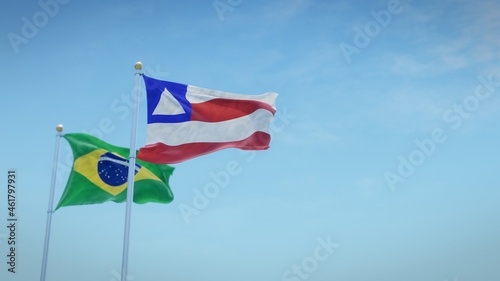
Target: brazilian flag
100,173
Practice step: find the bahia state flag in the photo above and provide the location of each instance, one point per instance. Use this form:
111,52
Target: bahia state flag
185,121
100,173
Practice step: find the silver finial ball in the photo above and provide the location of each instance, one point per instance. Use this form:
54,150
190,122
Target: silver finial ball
138,65
59,128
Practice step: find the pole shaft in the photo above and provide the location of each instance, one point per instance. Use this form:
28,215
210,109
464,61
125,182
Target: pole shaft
50,210
131,174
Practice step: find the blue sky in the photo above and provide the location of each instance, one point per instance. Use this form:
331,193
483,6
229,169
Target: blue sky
384,155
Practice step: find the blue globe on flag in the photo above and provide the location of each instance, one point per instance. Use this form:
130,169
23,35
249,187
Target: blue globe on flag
113,169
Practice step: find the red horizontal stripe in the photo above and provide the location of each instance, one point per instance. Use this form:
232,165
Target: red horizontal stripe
161,153
218,110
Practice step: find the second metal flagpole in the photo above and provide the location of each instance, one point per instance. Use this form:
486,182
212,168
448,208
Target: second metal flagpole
131,172
50,209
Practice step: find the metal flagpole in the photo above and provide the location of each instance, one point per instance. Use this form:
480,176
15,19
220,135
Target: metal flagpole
50,210
131,172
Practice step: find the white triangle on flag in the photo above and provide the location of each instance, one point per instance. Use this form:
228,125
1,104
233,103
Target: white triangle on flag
168,105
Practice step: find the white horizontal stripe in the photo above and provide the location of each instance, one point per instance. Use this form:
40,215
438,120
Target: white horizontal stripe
196,131
120,162
196,95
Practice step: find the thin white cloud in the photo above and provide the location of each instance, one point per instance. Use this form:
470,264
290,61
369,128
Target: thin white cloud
437,60
407,64
287,9
411,110
309,132
473,40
